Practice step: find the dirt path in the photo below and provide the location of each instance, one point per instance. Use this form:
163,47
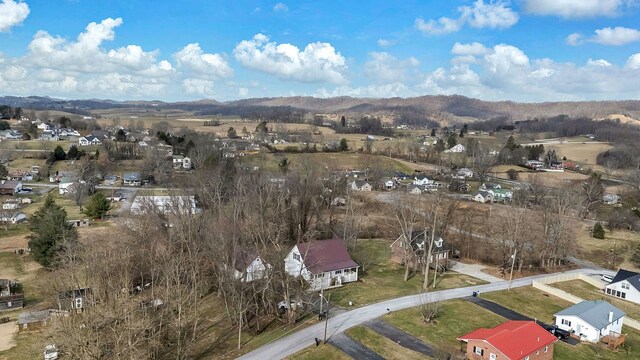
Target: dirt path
7,332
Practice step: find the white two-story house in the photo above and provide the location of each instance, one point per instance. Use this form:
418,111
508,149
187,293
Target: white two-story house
248,266
591,320
322,263
625,285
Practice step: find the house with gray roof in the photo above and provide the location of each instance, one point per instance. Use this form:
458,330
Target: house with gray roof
591,320
625,285
482,196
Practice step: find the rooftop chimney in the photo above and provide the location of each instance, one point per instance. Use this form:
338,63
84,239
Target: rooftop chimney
610,317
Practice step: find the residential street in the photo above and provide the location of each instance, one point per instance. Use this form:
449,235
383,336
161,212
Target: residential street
297,341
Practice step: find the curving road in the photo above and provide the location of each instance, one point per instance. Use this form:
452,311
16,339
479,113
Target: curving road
299,340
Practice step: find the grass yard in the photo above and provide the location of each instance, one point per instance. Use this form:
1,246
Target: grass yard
529,301
383,279
456,318
324,352
589,292
385,347
584,152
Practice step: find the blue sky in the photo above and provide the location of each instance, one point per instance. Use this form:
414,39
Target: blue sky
522,50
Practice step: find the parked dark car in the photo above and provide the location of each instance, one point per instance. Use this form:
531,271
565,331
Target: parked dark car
557,332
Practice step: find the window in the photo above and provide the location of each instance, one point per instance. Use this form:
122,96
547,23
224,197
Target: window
546,348
296,256
526,358
492,356
608,291
566,322
338,272
617,293
625,285
478,350
537,352
624,295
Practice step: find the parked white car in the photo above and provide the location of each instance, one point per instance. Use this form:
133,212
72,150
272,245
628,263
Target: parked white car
50,352
606,278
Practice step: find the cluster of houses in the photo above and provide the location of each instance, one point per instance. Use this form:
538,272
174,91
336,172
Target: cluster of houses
494,194
10,135
54,133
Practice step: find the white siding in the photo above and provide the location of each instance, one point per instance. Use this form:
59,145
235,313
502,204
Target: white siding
586,331
630,293
255,271
295,267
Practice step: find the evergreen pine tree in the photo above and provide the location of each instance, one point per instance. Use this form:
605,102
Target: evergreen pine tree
51,233
598,231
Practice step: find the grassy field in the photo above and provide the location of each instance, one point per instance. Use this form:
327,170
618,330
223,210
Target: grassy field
589,292
382,345
327,161
601,251
583,152
456,318
26,271
383,279
324,352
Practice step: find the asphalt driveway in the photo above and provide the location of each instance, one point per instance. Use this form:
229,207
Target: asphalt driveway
353,348
400,337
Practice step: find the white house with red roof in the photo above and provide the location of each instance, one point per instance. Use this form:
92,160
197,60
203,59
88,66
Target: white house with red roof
512,340
322,263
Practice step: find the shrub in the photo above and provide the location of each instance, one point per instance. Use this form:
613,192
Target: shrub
598,231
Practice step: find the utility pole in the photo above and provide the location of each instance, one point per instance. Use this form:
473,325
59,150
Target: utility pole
513,262
613,261
326,321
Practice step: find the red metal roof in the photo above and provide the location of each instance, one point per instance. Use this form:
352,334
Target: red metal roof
325,255
515,339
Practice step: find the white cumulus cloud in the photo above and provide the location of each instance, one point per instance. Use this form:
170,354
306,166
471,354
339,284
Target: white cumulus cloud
12,13
280,7
318,62
493,15
193,58
598,62
385,68
633,62
474,48
616,36
576,8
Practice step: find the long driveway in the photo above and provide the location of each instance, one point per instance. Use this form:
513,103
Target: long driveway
299,340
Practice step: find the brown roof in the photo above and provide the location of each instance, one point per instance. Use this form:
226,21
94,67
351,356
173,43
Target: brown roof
325,255
9,184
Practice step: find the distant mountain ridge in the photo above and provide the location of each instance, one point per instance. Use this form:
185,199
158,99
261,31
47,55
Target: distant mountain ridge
428,106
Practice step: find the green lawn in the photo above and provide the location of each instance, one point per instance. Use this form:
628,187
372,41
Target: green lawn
456,318
384,279
589,292
322,352
529,301
382,345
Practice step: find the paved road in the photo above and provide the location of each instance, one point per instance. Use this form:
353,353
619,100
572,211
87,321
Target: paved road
353,348
297,341
400,337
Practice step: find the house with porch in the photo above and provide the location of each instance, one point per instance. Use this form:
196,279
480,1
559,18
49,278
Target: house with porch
322,263
512,340
89,140
132,179
591,320
625,285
